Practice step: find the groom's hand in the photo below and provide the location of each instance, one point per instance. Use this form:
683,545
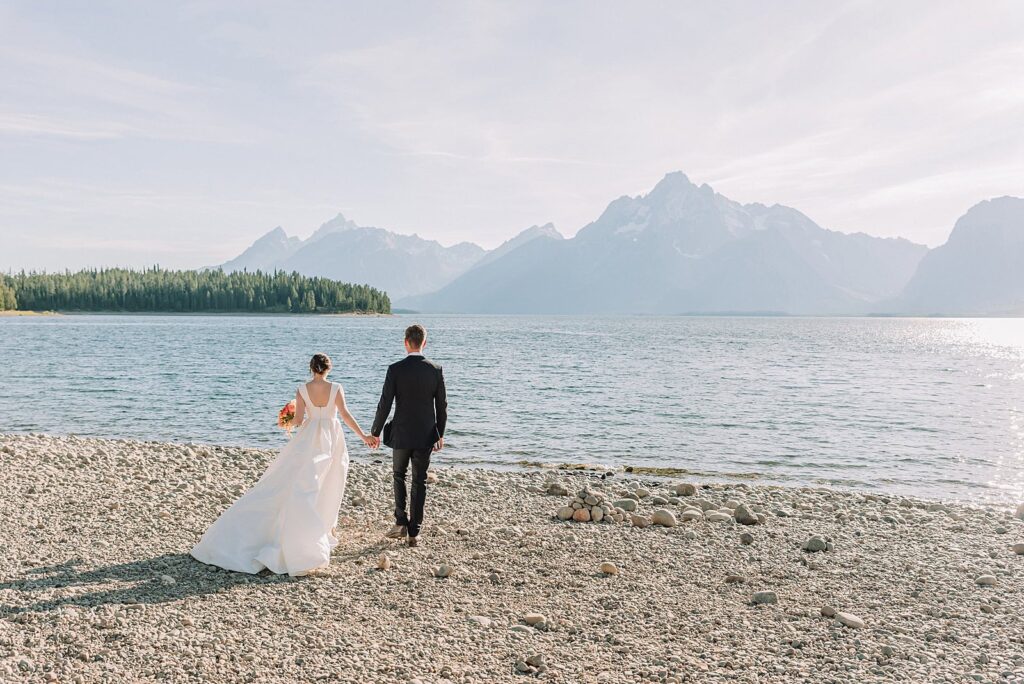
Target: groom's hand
439,444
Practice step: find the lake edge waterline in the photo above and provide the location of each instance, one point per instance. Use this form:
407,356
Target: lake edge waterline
609,474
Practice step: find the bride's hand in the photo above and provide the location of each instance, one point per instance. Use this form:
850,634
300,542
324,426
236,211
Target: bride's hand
370,441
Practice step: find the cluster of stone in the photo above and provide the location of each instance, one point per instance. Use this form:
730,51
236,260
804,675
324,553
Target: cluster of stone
591,506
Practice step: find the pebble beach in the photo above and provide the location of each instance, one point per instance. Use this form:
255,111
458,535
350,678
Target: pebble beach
532,574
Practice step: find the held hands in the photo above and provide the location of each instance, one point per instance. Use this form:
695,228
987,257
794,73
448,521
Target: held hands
439,444
371,441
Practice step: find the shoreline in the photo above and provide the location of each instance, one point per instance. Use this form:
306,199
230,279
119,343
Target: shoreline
16,314
347,314
663,474
96,583
410,312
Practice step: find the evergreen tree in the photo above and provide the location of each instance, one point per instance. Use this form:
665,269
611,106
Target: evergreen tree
8,300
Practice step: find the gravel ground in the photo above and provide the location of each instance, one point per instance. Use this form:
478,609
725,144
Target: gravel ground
96,583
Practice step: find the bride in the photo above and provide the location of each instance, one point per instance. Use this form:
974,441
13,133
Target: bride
285,523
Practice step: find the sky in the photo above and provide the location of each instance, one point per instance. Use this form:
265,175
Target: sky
176,133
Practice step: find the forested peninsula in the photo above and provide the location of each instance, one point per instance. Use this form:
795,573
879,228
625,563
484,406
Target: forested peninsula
159,290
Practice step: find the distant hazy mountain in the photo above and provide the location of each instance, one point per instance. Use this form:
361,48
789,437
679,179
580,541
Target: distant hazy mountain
533,232
980,269
265,252
402,265
686,249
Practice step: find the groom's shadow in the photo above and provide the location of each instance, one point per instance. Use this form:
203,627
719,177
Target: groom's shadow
161,579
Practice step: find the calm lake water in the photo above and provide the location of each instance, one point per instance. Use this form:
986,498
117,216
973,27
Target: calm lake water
915,406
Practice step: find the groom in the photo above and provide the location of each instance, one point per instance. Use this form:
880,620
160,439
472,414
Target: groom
416,384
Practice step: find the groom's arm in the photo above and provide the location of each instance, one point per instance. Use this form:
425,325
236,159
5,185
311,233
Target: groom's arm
387,398
440,405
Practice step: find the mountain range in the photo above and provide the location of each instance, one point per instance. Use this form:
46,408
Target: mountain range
681,248
402,265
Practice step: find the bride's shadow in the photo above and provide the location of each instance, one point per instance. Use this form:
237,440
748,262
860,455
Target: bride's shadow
161,579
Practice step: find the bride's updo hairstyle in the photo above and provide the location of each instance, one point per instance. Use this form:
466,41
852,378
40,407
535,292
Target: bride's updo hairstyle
320,364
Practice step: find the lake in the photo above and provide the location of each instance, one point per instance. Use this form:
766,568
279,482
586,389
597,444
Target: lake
929,407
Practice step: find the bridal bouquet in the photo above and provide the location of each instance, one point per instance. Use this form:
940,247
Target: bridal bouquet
286,416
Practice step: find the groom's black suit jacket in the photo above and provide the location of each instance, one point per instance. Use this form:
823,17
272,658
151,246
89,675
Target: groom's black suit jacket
416,385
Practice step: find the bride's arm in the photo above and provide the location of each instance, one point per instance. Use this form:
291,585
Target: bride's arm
300,410
347,417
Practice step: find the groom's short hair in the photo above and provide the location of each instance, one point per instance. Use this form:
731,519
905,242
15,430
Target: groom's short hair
415,334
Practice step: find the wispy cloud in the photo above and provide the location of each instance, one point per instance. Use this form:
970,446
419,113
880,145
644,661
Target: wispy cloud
84,98
32,124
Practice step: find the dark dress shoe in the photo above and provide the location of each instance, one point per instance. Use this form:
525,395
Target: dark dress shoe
398,532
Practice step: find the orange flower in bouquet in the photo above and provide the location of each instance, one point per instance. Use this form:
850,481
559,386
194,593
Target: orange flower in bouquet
286,417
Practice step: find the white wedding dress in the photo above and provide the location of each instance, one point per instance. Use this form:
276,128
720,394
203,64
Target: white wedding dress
285,522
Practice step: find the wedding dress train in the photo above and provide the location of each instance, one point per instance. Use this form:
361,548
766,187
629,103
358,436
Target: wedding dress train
285,521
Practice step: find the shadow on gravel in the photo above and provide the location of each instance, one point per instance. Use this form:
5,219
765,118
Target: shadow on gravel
161,579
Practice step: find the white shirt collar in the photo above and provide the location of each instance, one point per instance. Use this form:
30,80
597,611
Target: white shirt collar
414,354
